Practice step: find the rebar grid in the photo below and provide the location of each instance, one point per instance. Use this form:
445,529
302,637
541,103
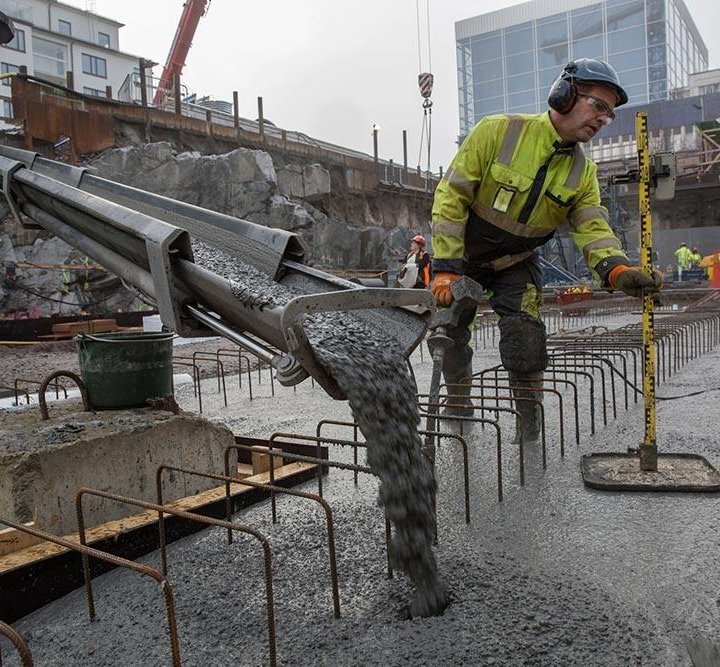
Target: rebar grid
188,516
88,552
227,479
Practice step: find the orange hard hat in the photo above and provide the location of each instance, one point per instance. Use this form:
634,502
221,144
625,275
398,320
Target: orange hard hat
420,240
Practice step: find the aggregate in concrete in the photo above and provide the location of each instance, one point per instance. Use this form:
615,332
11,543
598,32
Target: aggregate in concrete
556,574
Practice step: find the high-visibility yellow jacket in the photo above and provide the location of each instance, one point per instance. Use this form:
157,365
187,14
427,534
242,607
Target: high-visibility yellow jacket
511,184
683,254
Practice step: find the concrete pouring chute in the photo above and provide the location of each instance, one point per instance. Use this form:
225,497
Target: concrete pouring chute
146,240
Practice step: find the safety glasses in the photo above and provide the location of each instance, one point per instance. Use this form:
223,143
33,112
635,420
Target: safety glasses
600,107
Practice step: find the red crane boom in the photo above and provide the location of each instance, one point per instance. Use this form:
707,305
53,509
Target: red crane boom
193,11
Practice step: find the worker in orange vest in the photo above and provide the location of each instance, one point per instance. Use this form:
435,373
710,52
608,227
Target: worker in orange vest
416,271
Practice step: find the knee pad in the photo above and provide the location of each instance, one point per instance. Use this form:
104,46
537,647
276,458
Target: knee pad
523,344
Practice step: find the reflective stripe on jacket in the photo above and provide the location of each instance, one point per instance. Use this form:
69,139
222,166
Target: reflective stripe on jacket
509,187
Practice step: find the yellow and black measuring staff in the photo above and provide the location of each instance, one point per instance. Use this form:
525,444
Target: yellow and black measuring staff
648,449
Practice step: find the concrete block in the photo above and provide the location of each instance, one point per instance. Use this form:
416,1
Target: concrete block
44,463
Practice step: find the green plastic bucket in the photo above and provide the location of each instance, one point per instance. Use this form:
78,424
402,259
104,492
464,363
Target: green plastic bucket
123,370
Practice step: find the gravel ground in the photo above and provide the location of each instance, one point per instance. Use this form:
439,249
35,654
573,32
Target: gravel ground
555,574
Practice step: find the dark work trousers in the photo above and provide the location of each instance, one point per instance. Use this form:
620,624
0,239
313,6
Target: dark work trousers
513,291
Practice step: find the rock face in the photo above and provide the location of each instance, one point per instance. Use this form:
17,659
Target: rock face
41,288
245,183
306,199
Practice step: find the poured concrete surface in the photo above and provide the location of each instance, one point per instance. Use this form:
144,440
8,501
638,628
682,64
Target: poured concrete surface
43,463
556,574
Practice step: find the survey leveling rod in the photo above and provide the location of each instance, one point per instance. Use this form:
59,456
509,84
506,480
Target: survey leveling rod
648,449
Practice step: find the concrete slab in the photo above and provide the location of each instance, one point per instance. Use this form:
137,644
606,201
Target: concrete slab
44,463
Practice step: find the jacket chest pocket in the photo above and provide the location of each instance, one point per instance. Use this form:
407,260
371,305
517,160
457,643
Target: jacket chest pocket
560,196
508,188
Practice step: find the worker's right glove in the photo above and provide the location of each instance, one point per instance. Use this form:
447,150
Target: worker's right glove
633,281
440,288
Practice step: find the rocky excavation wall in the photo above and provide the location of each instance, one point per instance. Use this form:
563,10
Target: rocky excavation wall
342,230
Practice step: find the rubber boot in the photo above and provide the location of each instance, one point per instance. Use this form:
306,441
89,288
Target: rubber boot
529,423
458,403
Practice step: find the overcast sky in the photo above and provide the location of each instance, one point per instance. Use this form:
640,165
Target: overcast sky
331,68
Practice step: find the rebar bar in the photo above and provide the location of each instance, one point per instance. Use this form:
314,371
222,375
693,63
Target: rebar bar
88,552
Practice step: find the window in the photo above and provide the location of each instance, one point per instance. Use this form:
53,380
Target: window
487,71
521,99
633,77
523,108
656,32
625,40
18,42
103,39
489,88
519,39
657,55
93,91
524,62
486,47
710,88
628,60
64,27
590,47
655,10
586,22
7,68
552,30
553,56
547,76
625,15
7,109
521,82
50,57
94,65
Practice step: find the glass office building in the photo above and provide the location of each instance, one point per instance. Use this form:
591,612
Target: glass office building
508,59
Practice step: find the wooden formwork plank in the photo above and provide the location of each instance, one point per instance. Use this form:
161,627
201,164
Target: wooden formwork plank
113,529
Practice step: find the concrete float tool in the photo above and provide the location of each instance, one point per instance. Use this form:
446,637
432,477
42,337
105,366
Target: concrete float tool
643,468
145,239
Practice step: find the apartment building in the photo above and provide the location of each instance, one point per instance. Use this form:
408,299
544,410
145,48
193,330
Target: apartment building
53,38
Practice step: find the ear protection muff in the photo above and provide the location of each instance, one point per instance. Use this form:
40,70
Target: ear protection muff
563,92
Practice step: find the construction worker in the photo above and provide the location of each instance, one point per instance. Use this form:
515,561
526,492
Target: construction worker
695,258
683,255
416,269
514,180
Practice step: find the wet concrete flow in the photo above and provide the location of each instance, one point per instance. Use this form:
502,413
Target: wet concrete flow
371,369
554,574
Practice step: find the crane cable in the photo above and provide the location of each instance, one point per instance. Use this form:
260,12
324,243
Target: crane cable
425,82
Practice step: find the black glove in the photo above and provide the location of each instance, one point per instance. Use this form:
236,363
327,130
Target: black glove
633,281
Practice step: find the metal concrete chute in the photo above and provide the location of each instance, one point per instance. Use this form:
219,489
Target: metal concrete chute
260,247
145,239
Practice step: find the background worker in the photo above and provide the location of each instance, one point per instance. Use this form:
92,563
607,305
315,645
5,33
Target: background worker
416,269
514,180
695,258
682,255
